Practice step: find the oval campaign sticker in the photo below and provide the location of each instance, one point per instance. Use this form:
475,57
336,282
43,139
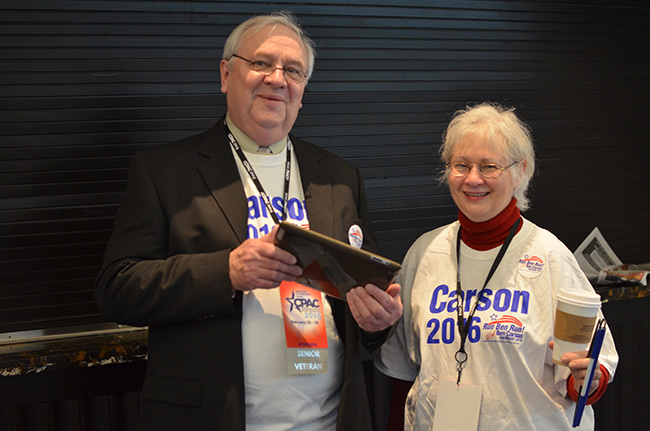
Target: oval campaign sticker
355,236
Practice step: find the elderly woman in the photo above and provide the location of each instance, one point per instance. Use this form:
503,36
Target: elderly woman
497,370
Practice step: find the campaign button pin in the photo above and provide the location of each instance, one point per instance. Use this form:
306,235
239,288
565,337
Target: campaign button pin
355,236
531,266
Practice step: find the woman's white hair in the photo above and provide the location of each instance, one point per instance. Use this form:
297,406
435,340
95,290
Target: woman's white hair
257,23
503,132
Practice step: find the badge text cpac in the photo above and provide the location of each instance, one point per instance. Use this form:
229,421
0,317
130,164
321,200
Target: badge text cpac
300,303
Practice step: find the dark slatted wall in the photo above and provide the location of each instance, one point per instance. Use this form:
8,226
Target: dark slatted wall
85,84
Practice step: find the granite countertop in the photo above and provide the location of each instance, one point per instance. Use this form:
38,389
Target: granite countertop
621,293
80,351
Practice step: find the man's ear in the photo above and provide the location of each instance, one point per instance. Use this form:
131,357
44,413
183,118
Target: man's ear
225,71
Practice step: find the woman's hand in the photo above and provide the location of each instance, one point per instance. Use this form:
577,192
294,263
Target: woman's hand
578,362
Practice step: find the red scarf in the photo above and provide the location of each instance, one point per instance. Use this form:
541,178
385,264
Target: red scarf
492,233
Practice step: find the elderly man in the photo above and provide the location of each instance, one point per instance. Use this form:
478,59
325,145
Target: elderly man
192,256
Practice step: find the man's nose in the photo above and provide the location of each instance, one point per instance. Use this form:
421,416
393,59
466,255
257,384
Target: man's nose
277,78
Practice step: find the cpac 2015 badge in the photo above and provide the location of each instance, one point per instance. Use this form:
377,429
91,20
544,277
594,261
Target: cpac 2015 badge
305,330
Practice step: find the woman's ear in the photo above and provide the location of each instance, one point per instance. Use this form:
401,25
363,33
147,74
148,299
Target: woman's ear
521,171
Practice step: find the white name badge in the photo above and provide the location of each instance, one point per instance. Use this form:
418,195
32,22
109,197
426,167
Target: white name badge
458,406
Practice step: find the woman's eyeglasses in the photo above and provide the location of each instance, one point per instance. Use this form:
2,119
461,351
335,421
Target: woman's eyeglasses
485,170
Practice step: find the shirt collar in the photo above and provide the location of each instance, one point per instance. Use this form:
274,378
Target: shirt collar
248,145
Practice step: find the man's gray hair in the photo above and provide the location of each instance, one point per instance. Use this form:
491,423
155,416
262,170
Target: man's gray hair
257,23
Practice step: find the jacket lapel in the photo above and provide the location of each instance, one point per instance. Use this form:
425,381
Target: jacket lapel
317,186
219,171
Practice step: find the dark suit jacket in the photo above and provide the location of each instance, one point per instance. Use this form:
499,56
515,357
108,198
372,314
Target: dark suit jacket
166,267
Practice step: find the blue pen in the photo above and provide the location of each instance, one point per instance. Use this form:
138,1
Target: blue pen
594,351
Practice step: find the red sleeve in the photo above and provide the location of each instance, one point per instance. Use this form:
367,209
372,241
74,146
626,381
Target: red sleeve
401,389
602,385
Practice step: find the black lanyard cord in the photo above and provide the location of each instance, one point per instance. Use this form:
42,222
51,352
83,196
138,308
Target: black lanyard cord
256,180
464,325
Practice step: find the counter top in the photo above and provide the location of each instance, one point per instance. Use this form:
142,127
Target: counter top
621,293
70,352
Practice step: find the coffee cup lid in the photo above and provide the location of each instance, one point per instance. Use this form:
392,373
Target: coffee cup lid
580,297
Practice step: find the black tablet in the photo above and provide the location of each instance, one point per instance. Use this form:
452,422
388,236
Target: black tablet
333,266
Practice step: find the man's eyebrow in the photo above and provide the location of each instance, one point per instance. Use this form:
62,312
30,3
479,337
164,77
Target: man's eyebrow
265,56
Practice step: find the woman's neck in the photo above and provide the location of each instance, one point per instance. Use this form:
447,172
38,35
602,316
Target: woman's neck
492,233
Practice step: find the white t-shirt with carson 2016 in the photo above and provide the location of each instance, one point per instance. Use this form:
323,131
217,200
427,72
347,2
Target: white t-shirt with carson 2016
508,344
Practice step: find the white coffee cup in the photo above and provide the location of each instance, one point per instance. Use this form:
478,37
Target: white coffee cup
575,318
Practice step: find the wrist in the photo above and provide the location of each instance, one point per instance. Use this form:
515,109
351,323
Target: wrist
572,392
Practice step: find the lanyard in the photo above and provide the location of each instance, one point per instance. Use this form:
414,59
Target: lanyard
464,325
256,180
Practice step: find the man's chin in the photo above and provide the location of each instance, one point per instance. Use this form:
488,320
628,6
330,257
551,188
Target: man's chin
278,125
